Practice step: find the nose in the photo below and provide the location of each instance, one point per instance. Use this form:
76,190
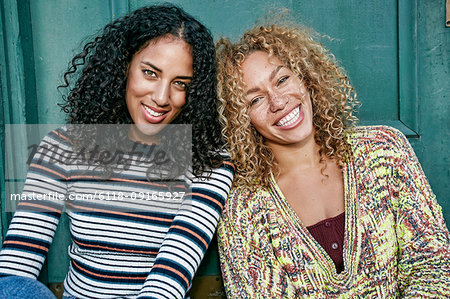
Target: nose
161,93
277,101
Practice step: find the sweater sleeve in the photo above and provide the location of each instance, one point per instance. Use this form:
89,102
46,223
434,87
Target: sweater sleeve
249,268
189,236
424,241
34,223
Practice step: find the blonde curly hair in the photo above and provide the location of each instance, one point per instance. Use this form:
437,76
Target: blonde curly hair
333,98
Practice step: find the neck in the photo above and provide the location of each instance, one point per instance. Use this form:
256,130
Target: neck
136,135
301,156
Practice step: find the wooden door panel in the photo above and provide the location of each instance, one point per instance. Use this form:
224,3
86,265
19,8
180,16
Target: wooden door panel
58,29
363,37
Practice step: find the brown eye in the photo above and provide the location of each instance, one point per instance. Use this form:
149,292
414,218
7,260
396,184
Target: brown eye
149,73
181,84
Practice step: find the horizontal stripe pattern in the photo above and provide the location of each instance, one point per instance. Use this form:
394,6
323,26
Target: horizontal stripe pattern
136,245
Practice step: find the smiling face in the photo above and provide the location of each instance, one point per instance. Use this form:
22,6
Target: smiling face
158,77
280,107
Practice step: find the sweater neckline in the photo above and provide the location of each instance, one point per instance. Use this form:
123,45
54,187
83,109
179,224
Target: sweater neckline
331,219
287,228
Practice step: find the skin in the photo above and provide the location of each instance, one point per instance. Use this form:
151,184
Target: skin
158,76
275,95
280,109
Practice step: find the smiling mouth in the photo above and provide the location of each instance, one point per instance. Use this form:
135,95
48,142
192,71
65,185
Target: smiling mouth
289,119
153,112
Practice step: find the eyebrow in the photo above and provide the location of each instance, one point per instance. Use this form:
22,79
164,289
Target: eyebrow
271,76
152,66
275,71
159,70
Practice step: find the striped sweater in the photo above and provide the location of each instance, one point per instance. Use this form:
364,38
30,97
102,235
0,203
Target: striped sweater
396,242
131,236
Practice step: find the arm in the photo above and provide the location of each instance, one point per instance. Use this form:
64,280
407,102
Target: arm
34,224
249,266
424,241
189,236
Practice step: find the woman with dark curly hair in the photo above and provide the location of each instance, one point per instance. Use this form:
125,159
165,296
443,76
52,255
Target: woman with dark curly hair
319,208
144,228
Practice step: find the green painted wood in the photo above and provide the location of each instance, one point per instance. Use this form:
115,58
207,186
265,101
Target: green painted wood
363,37
14,105
20,104
407,48
13,92
58,258
26,72
3,97
59,26
118,8
433,68
225,17
26,36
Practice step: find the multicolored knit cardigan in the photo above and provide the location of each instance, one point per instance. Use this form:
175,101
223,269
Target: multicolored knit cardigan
396,242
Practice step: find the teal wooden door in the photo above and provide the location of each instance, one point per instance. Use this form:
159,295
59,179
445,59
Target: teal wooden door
395,52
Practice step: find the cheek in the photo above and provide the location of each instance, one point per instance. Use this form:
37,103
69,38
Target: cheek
178,100
128,98
137,89
305,94
131,93
131,101
137,86
256,120
308,103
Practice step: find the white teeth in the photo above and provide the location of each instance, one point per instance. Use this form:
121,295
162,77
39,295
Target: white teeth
153,113
290,118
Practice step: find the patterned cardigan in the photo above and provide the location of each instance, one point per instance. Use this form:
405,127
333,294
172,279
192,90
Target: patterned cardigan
396,242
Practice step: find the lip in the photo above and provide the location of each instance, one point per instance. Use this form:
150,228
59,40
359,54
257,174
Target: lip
293,125
153,119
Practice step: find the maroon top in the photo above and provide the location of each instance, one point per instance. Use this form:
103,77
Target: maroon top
329,233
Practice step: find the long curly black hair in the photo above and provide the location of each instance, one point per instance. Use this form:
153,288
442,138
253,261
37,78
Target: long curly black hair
96,77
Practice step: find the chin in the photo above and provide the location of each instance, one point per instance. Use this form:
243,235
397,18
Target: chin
147,130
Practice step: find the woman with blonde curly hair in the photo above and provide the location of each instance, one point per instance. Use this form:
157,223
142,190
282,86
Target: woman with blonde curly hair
319,208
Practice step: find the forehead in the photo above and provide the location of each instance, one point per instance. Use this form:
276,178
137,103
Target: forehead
168,50
260,60
170,39
258,66
166,43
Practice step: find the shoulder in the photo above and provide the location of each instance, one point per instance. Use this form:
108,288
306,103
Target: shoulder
52,158
63,139
214,184
226,164
375,141
58,135
55,142
223,170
